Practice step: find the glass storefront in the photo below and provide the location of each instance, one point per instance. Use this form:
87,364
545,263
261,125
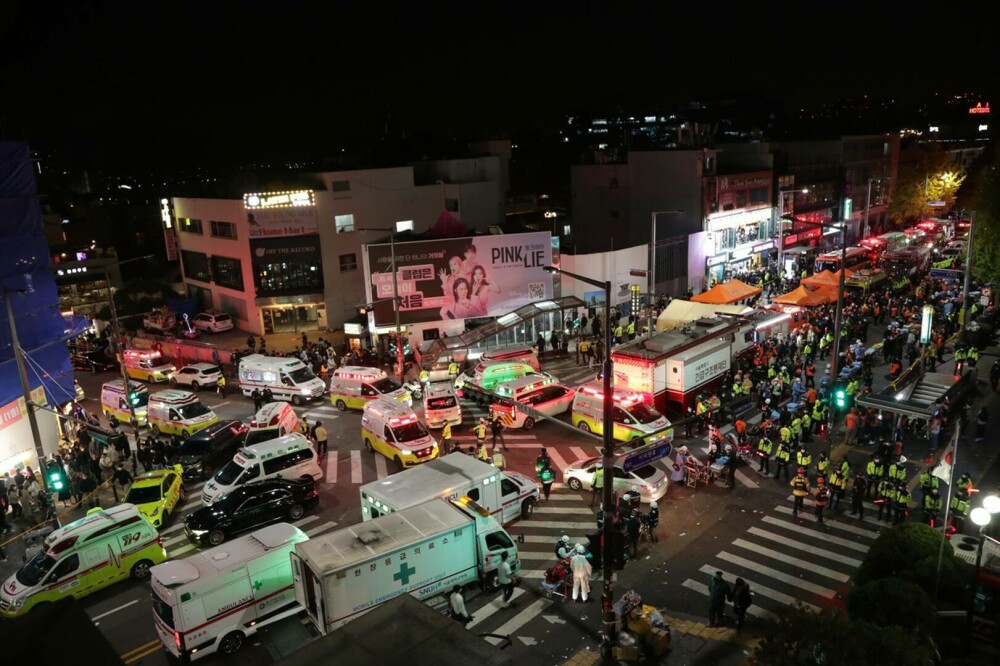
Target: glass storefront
294,318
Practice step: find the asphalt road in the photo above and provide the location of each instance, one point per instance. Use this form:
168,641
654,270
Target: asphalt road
747,531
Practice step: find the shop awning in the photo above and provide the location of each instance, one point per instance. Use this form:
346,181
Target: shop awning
826,279
803,297
680,312
727,292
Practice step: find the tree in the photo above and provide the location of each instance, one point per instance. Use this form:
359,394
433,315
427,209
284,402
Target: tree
139,297
928,177
986,260
892,602
803,637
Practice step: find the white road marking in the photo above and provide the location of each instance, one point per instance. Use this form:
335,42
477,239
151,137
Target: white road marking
519,620
175,539
791,560
380,469
180,551
356,467
812,550
835,524
762,590
114,610
580,453
191,503
557,460
179,525
550,539
762,570
331,467
756,611
489,609
746,481
321,528
305,521
820,536
542,508
221,404
559,525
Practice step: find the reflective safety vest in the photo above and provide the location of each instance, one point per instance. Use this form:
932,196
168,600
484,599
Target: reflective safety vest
902,498
452,368
484,455
630,328
897,472
786,435
960,507
480,430
618,331
498,460
547,475
933,503
928,481
782,455
765,446
701,408
424,376
803,458
973,354
446,431
800,486
823,465
797,426
598,480
818,412
806,422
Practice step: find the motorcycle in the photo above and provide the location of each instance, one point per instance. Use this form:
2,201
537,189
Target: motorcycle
415,388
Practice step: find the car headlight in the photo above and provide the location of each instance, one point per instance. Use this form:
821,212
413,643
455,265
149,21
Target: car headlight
406,452
199,532
156,512
16,604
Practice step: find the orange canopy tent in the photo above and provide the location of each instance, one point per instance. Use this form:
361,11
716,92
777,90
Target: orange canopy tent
826,279
727,292
802,297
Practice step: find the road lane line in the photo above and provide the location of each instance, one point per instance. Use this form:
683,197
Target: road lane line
331,466
191,503
174,527
791,560
380,469
580,453
180,551
519,620
321,528
746,481
541,508
762,570
356,467
305,521
762,590
756,611
175,539
559,525
149,651
835,524
489,609
141,648
557,460
114,610
812,550
825,538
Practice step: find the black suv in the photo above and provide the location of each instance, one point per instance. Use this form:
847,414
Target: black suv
93,361
208,449
250,507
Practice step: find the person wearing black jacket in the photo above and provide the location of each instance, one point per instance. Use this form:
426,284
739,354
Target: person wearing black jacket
742,600
858,496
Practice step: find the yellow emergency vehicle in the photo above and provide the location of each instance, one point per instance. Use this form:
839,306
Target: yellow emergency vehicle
147,365
393,429
352,386
176,412
633,418
115,400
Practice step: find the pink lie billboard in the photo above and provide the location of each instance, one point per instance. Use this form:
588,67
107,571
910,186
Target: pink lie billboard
459,278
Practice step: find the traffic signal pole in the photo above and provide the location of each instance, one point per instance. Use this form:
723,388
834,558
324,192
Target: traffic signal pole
835,363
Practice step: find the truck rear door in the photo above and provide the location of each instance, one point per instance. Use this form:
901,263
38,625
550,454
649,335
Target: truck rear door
309,592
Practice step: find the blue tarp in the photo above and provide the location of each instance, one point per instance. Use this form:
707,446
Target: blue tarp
25,267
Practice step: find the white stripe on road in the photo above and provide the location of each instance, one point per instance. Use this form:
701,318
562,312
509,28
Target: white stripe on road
356,467
331,466
763,590
380,470
756,611
777,575
821,536
580,453
305,521
549,539
835,524
489,609
191,503
175,539
559,525
557,460
536,556
812,550
173,528
791,560
113,610
321,528
182,550
519,620
542,508
746,481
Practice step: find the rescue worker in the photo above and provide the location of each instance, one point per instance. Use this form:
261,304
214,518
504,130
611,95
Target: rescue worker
498,459
630,330
897,471
806,426
823,465
546,476
959,360
959,510
701,411
781,459
446,438
480,430
845,468
424,377
564,550
822,498
803,458
838,487
764,450
452,370
972,356
965,481
582,571
786,436
800,488
928,482
740,427
932,507
886,499
902,502
483,453
542,461
796,428
858,493
596,485
874,470
222,386
818,416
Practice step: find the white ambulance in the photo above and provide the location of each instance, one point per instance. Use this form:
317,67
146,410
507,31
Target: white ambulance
352,386
275,419
115,400
633,418
538,395
441,405
175,412
289,457
393,429
288,378
214,600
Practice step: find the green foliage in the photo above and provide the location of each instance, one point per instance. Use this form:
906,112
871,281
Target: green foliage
803,637
986,259
892,602
917,181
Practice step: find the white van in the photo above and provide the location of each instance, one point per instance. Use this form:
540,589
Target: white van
441,405
103,547
214,600
393,429
633,418
114,400
540,394
288,457
275,419
352,386
288,378
179,413
522,354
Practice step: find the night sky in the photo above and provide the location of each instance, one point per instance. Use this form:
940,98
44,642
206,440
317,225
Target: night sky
203,78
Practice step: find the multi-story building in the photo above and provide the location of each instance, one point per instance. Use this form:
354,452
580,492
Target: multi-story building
291,260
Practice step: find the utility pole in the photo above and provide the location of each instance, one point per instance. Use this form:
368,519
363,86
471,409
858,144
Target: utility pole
968,270
400,360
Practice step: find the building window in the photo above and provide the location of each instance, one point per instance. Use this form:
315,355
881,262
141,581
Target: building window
758,195
340,186
451,205
287,277
191,226
348,262
227,272
223,229
566,229
196,265
404,225
344,223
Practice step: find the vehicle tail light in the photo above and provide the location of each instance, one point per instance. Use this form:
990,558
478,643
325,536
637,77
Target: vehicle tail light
159,541
179,641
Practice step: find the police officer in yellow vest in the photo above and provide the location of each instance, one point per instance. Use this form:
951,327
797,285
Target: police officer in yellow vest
619,334
425,377
897,472
483,453
806,426
630,330
960,509
781,458
446,438
764,450
597,485
818,416
452,369
902,501
822,465
796,429
972,356
886,499
480,430
803,458
786,436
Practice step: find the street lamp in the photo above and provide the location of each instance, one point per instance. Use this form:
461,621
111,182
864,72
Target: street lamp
981,516
607,463
651,275
395,296
781,224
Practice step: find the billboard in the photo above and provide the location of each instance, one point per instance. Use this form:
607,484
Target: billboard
459,278
279,214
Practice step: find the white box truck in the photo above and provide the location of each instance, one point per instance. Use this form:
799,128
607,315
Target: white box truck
506,495
423,551
213,600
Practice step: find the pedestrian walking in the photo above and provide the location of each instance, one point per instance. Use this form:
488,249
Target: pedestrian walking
319,432
742,600
506,580
497,427
251,343
582,570
718,593
596,485
457,604
546,476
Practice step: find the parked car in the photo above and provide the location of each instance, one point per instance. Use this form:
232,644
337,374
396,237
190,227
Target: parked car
93,361
212,320
196,375
209,449
250,506
650,481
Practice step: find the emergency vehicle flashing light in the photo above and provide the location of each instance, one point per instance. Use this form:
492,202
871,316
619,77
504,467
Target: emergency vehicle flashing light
402,420
143,355
624,400
536,384
362,376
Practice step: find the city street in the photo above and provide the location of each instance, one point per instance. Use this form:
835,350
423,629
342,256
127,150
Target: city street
747,531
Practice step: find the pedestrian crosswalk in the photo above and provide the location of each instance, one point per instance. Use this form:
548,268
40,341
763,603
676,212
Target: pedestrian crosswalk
791,560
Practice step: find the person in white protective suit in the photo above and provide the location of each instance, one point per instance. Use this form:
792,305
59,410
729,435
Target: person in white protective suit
581,573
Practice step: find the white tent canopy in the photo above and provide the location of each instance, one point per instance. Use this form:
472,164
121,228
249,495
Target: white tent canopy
680,312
